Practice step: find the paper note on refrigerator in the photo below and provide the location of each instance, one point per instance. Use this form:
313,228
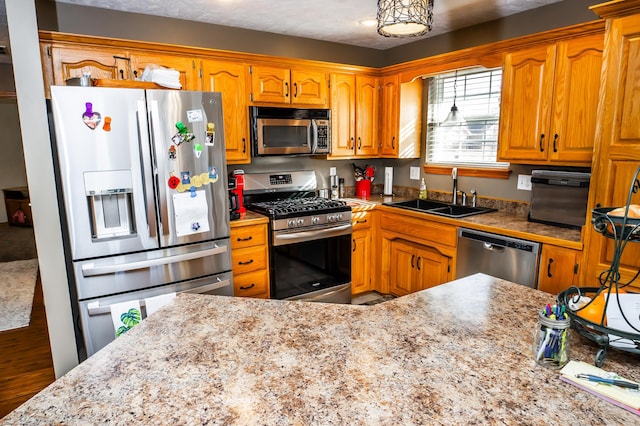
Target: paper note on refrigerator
191,213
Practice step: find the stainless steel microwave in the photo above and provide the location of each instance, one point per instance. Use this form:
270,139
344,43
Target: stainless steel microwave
290,131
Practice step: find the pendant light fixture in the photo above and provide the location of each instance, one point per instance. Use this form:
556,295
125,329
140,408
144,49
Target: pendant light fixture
404,18
454,116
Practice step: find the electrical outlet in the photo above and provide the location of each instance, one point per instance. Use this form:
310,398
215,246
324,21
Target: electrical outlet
414,173
524,182
332,171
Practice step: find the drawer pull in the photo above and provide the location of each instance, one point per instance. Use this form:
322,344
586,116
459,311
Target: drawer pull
248,287
245,239
361,221
246,263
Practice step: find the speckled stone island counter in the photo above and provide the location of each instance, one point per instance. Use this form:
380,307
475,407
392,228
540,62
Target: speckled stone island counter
459,353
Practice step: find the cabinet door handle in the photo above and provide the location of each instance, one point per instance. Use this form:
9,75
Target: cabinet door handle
549,268
541,142
295,90
286,86
575,269
555,139
361,221
354,244
393,143
418,262
245,239
351,144
248,287
244,145
413,256
246,263
359,142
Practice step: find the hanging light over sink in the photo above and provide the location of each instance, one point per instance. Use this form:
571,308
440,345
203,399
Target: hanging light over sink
404,18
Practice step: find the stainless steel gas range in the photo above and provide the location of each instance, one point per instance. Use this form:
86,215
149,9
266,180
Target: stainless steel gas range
309,238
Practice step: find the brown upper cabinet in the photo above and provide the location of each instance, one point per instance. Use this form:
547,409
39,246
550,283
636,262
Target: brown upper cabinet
230,79
69,62
389,116
400,118
275,85
354,115
184,65
549,102
618,139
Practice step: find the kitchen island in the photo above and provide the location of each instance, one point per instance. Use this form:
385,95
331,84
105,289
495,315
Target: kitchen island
458,353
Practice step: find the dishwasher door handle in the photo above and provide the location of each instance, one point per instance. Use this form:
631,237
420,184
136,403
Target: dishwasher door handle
492,247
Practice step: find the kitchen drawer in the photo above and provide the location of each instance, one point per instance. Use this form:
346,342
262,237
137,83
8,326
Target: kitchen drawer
252,284
361,220
248,236
249,259
421,229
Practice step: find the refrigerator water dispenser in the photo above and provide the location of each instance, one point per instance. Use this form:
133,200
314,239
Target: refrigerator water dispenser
110,198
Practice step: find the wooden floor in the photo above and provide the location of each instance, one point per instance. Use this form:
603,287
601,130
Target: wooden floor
26,366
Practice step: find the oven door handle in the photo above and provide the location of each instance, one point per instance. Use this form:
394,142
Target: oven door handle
311,235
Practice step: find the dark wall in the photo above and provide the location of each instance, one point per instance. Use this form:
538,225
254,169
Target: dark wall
553,16
69,18
109,23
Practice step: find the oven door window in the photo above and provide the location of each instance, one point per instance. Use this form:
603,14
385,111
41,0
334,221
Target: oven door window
309,266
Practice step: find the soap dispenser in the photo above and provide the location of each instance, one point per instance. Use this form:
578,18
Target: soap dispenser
423,190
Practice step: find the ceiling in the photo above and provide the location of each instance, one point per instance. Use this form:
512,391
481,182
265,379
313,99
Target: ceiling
329,20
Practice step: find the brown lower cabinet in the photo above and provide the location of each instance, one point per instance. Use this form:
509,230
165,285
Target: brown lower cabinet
361,252
415,253
559,268
250,260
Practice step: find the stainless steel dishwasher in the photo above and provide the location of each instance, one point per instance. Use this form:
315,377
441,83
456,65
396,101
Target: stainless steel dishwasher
502,257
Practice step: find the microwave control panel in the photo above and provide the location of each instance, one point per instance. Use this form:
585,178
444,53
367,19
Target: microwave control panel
323,134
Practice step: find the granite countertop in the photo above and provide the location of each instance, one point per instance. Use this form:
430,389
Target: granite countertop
510,223
456,353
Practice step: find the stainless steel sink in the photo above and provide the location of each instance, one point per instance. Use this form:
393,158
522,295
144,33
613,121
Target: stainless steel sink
439,208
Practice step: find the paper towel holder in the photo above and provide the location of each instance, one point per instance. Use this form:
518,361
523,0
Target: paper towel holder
388,181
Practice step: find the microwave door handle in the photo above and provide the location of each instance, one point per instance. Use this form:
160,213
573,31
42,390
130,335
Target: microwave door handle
314,136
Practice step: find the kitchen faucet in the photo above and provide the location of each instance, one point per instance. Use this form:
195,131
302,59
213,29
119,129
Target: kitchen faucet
454,175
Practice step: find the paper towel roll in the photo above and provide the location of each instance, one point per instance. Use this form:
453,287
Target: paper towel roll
388,181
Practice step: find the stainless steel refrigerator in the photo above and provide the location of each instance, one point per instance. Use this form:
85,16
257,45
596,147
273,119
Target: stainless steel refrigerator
143,182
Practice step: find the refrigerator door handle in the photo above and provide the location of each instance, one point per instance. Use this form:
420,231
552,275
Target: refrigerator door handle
91,270
145,157
154,133
95,308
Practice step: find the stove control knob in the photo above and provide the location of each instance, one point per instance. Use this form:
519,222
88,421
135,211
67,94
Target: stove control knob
330,218
291,223
315,220
300,222
338,217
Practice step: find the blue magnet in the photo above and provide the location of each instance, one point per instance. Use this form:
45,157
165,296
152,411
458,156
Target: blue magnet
213,172
193,191
195,226
186,178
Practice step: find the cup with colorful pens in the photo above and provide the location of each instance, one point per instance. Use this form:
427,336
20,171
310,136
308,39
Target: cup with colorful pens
551,337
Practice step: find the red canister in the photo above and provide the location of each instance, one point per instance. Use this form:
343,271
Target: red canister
363,189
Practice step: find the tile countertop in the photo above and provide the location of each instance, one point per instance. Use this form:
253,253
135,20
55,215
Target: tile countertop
459,352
